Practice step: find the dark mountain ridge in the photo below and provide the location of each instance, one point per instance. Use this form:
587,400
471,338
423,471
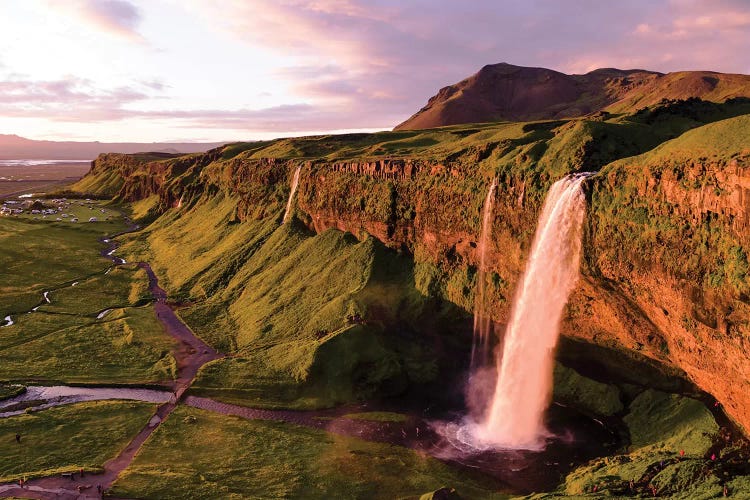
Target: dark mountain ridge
15,147
504,92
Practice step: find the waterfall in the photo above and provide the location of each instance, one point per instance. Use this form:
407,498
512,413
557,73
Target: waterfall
292,192
482,321
523,389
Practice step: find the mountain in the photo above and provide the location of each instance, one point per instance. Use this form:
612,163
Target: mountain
16,147
504,92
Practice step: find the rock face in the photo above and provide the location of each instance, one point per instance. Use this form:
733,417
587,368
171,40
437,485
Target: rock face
514,93
667,236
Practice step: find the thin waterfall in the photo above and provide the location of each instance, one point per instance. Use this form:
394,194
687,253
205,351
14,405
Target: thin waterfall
523,390
292,192
482,322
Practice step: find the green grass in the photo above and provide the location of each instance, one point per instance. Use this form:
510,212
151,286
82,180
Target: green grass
660,426
670,422
585,394
8,391
40,255
295,346
64,341
124,286
377,416
197,454
127,346
83,435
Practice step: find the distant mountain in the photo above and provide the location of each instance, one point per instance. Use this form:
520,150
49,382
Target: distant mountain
504,92
16,147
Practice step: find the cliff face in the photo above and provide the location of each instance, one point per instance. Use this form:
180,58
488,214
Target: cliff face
665,271
506,92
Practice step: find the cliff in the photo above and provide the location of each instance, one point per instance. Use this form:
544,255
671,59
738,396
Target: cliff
504,92
664,272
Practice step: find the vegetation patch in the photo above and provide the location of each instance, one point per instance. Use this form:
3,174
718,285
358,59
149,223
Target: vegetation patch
377,416
234,458
67,438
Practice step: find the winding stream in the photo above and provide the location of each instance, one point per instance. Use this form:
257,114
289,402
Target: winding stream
40,397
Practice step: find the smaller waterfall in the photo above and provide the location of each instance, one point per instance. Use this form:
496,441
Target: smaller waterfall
46,297
292,192
8,322
480,349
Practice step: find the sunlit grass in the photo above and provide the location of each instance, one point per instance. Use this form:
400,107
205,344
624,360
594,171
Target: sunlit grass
67,438
197,454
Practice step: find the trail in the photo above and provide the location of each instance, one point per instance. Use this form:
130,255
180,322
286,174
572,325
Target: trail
191,353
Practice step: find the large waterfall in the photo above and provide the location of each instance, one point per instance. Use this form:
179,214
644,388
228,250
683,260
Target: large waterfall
482,321
514,417
292,192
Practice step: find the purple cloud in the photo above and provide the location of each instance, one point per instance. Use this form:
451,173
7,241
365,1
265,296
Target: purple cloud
372,63
118,17
387,57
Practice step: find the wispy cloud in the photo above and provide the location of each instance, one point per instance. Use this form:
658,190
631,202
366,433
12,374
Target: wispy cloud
387,57
117,17
363,63
75,100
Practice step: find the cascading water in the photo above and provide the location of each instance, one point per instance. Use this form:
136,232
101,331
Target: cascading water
514,417
482,322
292,192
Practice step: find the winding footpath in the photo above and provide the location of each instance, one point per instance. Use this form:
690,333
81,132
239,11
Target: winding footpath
191,353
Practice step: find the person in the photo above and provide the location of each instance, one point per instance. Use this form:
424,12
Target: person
99,488
81,471
18,438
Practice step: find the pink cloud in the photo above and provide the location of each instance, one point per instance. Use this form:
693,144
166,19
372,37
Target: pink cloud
117,17
400,53
358,63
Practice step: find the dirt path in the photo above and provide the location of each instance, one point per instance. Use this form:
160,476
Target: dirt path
191,353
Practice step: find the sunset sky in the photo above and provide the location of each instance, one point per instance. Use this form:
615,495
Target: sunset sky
157,70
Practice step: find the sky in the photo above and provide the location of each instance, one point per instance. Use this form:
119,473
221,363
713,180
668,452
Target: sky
220,70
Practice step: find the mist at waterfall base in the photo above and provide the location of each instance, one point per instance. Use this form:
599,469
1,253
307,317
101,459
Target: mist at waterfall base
508,399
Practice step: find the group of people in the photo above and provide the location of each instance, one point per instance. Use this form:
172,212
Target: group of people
23,483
